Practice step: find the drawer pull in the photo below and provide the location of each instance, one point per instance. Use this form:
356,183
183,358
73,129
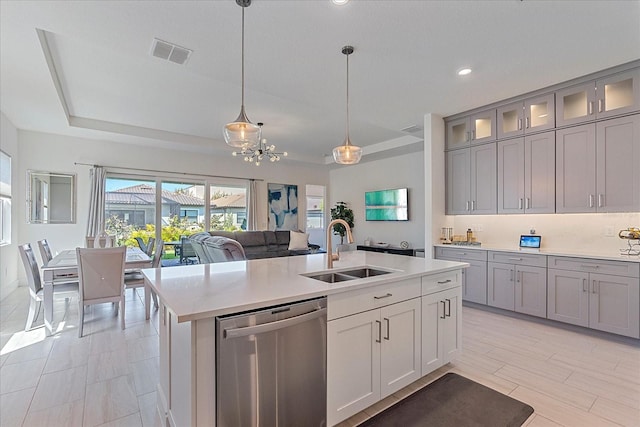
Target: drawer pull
515,259
461,253
444,281
383,296
589,266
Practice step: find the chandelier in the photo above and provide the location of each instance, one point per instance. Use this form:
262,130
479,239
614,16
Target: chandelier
241,133
262,151
347,154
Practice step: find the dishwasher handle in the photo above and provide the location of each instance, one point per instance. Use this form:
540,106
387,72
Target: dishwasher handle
272,326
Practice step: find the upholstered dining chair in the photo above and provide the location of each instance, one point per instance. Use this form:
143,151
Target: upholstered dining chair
45,251
104,241
36,292
135,279
101,277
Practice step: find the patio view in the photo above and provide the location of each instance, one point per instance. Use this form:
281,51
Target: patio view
133,209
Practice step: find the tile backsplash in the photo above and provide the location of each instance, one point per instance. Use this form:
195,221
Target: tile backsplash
583,232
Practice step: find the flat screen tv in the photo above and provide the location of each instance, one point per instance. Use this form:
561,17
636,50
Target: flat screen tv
386,205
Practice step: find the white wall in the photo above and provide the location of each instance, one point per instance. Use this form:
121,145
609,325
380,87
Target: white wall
58,153
9,257
349,183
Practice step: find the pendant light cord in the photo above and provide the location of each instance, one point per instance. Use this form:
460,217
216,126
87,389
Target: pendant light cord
242,102
347,142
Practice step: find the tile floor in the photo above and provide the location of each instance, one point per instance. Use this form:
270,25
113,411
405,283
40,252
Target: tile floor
108,377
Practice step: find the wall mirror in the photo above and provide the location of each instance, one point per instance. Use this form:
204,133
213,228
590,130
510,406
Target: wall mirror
51,198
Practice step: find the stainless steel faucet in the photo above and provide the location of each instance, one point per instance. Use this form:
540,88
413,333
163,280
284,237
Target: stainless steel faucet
335,257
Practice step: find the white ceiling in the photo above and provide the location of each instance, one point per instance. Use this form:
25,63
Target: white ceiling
405,62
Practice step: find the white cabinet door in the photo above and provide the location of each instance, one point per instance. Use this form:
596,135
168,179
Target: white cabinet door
531,290
500,285
400,350
568,296
353,364
441,328
614,304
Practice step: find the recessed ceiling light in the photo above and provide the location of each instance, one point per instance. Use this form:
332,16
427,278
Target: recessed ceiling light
339,2
464,71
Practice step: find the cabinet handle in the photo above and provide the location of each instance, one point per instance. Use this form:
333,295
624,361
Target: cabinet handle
600,105
589,266
473,134
600,200
515,259
590,107
519,124
590,200
511,276
518,276
527,122
444,307
584,285
383,296
520,203
473,205
443,282
462,253
593,288
467,208
379,331
468,137
388,329
526,203
448,314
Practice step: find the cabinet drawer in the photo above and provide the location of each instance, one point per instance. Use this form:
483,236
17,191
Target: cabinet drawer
461,253
591,265
440,282
351,302
518,258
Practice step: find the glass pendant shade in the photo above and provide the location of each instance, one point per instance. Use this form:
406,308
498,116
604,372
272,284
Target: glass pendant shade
347,154
241,133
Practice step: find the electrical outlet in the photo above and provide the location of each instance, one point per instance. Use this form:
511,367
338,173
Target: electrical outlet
608,231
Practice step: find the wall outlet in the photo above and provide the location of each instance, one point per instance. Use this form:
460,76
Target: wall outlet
608,231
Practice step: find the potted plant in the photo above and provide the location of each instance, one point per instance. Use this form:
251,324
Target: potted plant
341,211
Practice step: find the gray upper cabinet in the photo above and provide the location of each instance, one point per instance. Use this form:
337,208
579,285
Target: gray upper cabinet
610,96
471,181
531,115
475,129
526,174
597,167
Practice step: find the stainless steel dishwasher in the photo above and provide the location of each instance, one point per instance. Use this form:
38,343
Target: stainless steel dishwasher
271,366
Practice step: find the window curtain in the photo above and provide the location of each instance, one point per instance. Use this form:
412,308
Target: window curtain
95,223
252,209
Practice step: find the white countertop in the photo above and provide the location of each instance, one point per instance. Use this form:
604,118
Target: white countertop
207,290
590,253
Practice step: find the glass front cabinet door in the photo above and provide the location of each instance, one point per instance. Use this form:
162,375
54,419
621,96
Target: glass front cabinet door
607,97
532,115
478,128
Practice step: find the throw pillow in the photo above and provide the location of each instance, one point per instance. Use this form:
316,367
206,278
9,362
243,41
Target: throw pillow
298,241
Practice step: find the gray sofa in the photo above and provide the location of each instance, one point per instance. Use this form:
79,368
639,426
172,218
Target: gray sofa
255,244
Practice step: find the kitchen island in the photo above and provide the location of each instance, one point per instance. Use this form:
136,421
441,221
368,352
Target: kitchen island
426,292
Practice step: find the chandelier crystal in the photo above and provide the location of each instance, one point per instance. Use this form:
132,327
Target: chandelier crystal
241,133
347,154
262,151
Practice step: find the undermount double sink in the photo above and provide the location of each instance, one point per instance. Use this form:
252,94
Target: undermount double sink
343,276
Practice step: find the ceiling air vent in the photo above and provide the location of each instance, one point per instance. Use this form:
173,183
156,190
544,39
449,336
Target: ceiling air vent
413,129
170,52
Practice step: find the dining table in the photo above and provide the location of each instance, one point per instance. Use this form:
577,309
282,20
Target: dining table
64,268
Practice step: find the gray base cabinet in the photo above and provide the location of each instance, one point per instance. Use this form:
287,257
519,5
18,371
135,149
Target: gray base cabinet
599,300
474,278
517,283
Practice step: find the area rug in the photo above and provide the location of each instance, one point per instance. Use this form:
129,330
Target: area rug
453,401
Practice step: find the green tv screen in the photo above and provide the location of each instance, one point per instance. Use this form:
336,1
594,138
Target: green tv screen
386,205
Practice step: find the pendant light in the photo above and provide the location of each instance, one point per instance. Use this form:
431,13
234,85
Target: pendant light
262,151
347,154
241,133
